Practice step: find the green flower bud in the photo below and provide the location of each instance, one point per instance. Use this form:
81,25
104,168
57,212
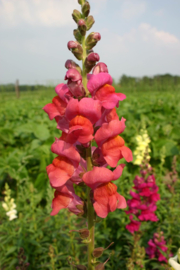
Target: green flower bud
92,40
81,2
77,35
76,15
89,22
86,9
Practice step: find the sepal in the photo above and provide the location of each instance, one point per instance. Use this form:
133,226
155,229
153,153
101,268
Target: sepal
77,35
76,15
89,22
86,9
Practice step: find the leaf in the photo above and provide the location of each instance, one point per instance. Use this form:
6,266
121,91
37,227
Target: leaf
41,132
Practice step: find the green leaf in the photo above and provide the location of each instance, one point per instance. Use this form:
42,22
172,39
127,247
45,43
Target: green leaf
41,132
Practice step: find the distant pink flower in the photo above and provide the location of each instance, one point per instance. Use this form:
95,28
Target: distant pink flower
64,165
155,246
66,198
134,225
111,144
106,198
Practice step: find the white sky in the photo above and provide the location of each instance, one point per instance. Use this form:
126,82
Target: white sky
139,37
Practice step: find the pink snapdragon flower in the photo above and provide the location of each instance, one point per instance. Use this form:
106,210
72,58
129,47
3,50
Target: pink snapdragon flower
134,225
155,246
100,87
87,107
63,92
106,198
75,82
55,109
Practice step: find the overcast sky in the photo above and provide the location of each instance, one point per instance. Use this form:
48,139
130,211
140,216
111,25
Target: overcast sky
139,37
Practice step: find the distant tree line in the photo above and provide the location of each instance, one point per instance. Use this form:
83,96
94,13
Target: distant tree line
11,87
157,82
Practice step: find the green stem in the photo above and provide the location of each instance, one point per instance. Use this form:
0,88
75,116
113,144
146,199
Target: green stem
90,214
90,209
84,74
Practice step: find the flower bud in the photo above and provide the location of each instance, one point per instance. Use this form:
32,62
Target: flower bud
86,9
82,27
81,2
76,49
100,267
71,64
76,15
100,67
89,22
90,61
97,252
77,35
92,40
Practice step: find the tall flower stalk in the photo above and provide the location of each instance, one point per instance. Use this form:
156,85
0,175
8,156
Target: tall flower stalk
84,110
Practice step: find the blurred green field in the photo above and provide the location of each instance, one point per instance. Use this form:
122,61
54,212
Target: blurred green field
26,135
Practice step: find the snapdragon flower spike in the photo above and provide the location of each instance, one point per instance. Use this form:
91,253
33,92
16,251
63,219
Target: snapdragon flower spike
106,198
64,165
65,197
143,202
100,87
111,144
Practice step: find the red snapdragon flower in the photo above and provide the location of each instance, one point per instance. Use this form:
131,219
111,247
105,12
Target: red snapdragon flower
111,144
64,165
65,197
106,198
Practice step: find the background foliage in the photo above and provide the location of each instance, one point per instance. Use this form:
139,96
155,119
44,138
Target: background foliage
26,135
